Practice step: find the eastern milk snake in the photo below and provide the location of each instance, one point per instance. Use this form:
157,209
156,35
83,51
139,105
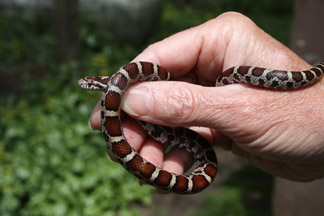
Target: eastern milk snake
206,161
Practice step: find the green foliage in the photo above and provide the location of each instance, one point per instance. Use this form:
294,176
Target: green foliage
227,203
20,39
273,16
52,163
245,193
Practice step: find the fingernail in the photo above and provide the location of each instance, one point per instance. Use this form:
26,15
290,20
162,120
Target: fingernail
137,101
92,119
89,123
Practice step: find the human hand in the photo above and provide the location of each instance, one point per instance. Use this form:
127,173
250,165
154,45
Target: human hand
282,132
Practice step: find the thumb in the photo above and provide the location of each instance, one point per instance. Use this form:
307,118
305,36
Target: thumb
180,103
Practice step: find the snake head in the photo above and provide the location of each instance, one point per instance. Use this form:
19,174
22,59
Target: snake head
94,83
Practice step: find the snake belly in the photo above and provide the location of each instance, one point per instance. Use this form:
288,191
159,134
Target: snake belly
206,161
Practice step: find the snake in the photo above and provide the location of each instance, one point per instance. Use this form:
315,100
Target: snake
205,169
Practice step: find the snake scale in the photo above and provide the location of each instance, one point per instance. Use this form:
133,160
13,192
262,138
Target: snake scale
206,162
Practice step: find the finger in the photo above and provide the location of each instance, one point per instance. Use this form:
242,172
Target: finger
214,137
182,104
135,136
228,40
180,53
153,152
178,161
95,121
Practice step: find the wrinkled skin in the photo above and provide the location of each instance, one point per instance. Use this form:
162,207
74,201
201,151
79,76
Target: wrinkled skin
281,132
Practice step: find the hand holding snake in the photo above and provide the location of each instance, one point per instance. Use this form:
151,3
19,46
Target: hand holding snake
281,132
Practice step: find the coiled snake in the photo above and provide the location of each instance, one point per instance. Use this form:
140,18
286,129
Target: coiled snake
206,161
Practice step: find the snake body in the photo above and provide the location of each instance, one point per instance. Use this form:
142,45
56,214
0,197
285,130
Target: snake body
206,162
267,78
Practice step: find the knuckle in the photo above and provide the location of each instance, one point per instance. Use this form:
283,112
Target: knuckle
181,105
153,51
236,21
234,17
